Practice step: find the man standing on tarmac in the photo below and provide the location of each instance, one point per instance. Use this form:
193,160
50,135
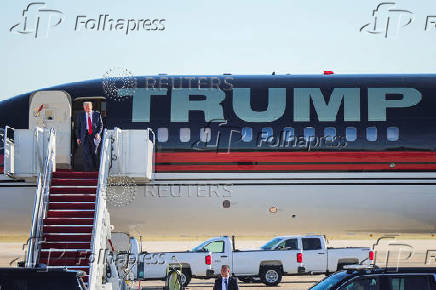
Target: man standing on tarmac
88,133
226,282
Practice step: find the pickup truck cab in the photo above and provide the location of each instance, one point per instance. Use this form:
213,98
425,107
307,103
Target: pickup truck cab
318,258
267,264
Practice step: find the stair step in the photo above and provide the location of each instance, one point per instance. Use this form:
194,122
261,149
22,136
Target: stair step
76,182
70,214
64,255
64,261
54,245
67,238
72,198
71,205
67,229
75,174
68,221
72,190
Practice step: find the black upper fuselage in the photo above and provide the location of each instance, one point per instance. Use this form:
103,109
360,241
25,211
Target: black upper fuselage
265,113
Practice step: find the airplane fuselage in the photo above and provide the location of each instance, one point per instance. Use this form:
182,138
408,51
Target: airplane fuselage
252,155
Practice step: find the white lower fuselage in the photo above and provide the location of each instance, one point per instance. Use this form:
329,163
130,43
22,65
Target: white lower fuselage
255,204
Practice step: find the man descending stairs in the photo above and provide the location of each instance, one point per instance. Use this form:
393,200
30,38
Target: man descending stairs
68,226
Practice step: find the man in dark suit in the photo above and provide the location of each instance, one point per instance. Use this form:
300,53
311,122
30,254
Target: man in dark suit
88,133
226,282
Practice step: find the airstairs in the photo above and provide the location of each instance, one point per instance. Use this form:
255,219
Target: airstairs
71,225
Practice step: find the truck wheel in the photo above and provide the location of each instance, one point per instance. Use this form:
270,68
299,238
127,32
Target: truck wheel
186,277
271,276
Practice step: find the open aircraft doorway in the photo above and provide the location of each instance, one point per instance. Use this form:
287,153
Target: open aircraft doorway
98,104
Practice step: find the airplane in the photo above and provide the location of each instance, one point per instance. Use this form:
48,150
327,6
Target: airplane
252,155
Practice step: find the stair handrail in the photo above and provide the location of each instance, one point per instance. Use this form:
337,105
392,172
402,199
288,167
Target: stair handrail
7,143
98,239
41,201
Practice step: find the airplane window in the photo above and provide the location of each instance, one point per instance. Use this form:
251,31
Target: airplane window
393,133
351,134
329,133
288,134
185,134
162,134
371,134
205,134
309,133
247,134
267,134
49,115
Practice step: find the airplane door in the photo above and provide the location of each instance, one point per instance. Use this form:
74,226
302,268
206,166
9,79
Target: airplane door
52,109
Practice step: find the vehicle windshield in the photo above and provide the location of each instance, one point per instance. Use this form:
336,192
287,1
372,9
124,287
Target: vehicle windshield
269,245
330,281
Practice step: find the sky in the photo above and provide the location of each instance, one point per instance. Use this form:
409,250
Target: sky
204,37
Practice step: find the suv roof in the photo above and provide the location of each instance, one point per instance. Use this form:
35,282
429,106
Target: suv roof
338,278
391,270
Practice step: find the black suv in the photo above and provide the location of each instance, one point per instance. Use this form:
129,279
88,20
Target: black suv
380,279
40,279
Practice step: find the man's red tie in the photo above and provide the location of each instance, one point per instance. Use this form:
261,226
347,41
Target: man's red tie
89,125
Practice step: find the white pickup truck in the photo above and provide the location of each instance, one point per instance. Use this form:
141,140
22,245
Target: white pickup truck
267,264
287,255
318,258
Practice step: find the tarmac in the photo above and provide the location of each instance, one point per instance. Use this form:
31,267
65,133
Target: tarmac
391,251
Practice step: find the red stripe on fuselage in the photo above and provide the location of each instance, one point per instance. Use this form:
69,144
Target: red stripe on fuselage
1,163
295,161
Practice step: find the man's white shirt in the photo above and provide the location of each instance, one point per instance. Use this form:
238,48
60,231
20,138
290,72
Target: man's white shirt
223,283
86,119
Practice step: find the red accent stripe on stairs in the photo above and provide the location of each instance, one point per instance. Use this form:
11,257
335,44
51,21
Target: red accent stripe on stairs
67,238
65,254
75,175
72,198
67,229
71,205
64,262
54,245
70,214
72,190
75,182
68,221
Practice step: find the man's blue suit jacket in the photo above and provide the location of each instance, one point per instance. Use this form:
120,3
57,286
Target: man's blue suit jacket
97,125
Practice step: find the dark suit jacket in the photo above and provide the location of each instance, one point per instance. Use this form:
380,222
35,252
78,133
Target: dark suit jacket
97,125
233,283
